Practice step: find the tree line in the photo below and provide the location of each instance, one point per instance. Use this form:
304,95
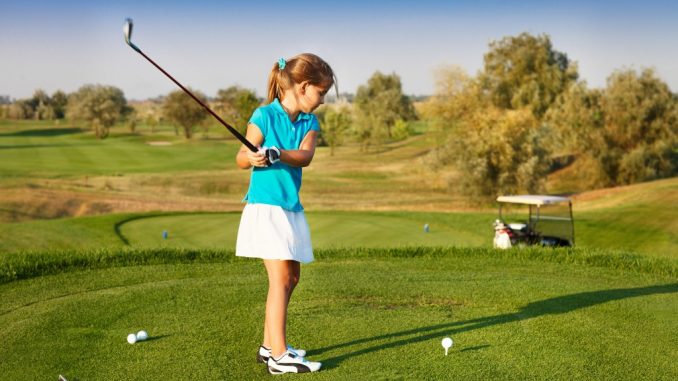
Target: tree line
527,113
524,115
378,113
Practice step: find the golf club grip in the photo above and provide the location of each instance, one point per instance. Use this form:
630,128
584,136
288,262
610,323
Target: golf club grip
228,126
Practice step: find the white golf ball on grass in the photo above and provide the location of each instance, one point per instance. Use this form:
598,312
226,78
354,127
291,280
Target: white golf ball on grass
131,338
142,335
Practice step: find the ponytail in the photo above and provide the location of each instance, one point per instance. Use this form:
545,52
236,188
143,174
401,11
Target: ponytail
303,67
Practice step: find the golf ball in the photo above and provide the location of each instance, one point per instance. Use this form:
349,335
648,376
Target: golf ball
447,343
142,335
131,338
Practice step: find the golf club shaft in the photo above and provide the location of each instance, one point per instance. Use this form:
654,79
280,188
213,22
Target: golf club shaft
228,126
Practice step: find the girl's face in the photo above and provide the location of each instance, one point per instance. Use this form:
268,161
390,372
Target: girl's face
311,96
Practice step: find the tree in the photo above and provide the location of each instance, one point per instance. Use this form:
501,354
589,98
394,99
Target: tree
456,96
576,123
236,106
498,152
641,127
59,101
378,106
181,110
335,123
41,105
100,106
624,134
525,71
20,109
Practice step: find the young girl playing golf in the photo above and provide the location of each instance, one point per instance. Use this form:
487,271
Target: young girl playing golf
273,226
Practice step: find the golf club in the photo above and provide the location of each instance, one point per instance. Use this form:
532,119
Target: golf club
127,29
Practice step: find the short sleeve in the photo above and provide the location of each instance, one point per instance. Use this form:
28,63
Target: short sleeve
315,126
259,119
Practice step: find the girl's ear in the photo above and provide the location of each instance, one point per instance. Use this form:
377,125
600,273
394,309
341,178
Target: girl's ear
303,87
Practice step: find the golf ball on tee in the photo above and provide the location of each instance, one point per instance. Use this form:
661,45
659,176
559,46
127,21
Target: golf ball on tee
447,344
131,338
142,335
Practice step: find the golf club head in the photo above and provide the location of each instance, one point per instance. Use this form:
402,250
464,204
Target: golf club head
127,30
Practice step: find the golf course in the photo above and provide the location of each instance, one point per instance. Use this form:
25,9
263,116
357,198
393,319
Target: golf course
103,238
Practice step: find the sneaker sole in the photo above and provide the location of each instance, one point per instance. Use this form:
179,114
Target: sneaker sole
297,369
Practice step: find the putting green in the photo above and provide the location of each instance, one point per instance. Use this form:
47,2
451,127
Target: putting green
328,229
376,318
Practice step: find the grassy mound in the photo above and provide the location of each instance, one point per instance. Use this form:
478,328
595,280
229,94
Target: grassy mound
364,313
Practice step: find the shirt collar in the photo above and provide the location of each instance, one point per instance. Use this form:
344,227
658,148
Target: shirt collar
278,107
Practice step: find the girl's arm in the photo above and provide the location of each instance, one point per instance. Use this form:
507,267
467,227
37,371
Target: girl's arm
301,157
246,158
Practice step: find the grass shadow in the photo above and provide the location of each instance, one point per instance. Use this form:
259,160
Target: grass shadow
25,146
153,338
553,306
44,132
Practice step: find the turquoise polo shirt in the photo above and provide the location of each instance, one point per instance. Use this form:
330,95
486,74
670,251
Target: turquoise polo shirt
279,184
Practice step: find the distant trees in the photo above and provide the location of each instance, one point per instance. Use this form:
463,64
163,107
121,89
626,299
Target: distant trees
527,106
181,110
40,106
236,106
499,152
525,72
378,106
59,101
98,105
335,124
626,133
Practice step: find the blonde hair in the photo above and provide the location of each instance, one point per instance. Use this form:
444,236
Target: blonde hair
303,67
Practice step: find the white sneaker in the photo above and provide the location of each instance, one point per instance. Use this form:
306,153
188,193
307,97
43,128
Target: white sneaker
291,363
264,353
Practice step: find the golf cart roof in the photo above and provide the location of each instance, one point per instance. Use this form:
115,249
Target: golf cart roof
533,199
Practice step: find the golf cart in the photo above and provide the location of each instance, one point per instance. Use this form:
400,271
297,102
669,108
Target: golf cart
549,221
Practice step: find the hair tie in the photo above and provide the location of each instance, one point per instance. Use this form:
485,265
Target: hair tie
281,64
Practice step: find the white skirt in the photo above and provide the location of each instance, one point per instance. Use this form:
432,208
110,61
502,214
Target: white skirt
271,232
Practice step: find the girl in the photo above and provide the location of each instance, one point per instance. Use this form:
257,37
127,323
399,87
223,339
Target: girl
273,226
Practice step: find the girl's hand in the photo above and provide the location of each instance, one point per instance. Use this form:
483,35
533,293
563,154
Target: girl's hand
257,159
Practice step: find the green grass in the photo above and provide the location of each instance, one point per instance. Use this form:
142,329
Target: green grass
375,304
367,313
615,228
48,151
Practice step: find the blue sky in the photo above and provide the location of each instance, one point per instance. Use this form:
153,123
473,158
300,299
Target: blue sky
210,45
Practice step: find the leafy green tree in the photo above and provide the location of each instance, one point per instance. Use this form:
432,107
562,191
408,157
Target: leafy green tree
456,96
131,120
641,125
525,71
59,100
498,152
41,105
236,106
181,110
100,106
335,123
624,134
577,126
378,105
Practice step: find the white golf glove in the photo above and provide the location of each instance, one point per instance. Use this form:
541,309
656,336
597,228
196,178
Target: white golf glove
272,154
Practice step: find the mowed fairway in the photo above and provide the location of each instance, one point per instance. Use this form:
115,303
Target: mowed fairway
380,316
41,150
